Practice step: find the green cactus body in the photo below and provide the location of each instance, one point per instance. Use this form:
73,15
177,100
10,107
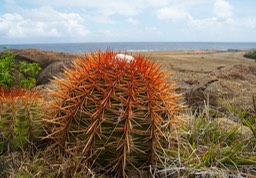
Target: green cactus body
20,119
113,112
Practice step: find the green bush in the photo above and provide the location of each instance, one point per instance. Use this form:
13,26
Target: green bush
21,74
251,54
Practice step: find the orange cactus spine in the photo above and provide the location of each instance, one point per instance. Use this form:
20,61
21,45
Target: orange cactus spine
20,119
113,112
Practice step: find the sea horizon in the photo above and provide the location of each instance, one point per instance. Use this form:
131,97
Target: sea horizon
79,47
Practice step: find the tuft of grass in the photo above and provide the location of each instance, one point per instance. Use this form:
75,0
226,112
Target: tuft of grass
250,119
245,115
205,147
43,164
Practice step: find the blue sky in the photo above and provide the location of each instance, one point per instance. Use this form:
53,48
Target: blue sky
57,21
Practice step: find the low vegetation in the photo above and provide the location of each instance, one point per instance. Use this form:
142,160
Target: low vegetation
199,147
251,54
21,74
207,146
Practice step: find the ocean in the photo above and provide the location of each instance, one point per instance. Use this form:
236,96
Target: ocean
136,46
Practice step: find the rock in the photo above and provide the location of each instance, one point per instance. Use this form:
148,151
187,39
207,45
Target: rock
228,125
44,89
236,72
53,70
198,93
226,85
43,58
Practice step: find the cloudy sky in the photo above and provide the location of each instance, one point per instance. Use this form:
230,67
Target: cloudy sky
56,21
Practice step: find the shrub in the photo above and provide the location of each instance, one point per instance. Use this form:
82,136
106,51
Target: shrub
22,74
251,54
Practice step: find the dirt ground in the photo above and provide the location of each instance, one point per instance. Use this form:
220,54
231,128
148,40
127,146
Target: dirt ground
226,76
197,62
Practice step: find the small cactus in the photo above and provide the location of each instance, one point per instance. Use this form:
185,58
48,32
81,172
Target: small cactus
20,119
114,113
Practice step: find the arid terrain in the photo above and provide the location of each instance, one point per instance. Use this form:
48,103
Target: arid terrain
224,76
216,135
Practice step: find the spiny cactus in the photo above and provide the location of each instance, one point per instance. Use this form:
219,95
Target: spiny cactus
20,119
113,112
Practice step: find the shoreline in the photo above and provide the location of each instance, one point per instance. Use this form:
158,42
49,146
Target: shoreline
191,60
2,48
76,48
144,52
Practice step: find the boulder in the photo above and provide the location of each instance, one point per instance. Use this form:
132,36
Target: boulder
43,58
44,89
228,125
53,70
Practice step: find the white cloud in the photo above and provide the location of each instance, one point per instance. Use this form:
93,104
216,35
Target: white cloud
121,7
223,20
101,17
221,17
172,13
102,4
43,22
108,20
12,17
10,1
206,23
222,9
4,27
249,22
243,23
152,30
133,21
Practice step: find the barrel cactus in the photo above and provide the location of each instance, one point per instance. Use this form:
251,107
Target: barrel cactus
20,119
115,113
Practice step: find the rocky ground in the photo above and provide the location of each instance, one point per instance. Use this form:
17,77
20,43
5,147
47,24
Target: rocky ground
225,76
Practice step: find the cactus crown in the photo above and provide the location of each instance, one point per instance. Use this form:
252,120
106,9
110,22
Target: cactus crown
114,112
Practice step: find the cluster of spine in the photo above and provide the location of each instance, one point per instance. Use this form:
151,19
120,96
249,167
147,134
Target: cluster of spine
114,113
20,119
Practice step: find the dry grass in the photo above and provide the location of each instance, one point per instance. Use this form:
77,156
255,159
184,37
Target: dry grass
200,148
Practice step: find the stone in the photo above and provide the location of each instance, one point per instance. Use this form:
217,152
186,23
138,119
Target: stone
228,125
53,70
233,84
43,58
